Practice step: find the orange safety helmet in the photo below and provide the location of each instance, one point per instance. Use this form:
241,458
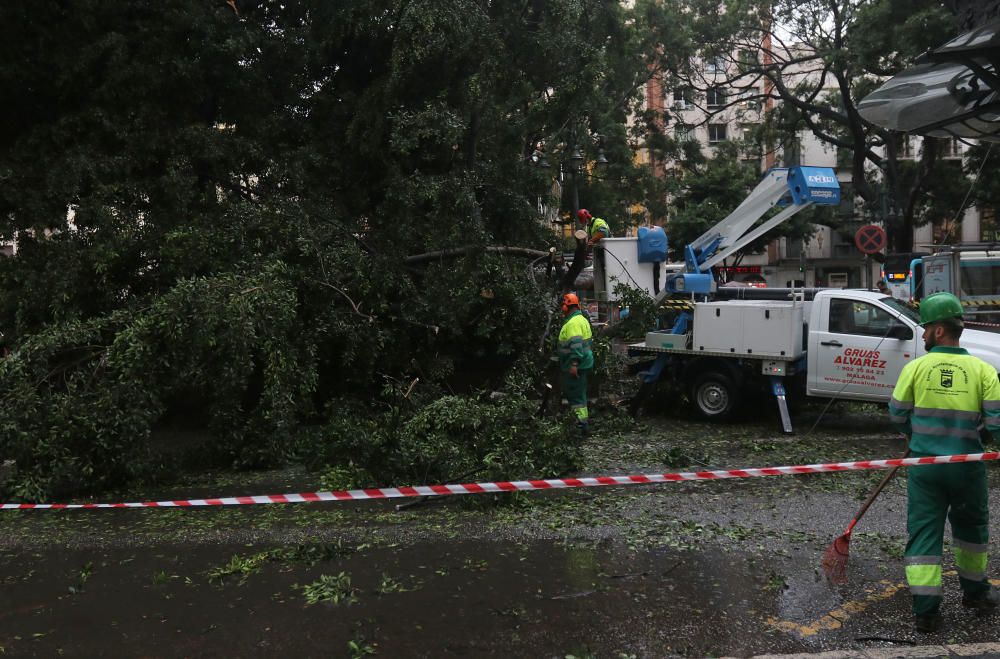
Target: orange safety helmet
570,300
583,215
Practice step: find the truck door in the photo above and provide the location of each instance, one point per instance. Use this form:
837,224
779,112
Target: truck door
858,350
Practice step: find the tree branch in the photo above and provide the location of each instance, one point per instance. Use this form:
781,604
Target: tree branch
472,249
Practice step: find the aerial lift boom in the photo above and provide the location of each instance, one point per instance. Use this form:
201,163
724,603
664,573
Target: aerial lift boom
795,188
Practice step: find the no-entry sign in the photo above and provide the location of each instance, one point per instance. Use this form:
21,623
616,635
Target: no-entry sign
870,239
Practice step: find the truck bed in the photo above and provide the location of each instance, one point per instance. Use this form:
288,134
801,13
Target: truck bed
643,349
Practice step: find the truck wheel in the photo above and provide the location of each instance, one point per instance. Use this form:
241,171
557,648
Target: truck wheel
714,395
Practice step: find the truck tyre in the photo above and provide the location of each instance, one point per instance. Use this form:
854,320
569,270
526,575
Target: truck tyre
714,395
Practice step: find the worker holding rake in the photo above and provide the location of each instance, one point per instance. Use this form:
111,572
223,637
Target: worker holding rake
939,401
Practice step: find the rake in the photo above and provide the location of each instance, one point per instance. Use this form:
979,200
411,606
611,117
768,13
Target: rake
834,562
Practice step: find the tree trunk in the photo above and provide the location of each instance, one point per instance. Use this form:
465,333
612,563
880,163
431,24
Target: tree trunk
575,268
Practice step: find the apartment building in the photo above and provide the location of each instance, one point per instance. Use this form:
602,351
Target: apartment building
721,106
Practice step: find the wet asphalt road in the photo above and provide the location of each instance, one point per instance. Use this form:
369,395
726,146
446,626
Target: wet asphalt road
689,569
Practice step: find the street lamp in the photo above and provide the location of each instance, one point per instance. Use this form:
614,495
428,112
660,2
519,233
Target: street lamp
601,160
575,169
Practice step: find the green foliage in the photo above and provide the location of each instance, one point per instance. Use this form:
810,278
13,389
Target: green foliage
82,577
828,55
359,648
335,589
245,566
641,311
423,439
80,399
389,585
347,476
708,189
213,214
888,35
985,193
455,437
943,195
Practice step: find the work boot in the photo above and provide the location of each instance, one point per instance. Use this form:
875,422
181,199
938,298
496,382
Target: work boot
584,429
984,603
927,623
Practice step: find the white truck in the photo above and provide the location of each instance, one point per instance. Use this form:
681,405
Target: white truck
845,344
849,344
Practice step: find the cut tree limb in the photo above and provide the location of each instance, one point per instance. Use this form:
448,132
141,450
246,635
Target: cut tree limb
471,249
575,268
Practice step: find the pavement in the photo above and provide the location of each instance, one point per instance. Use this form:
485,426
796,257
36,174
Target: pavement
712,568
962,650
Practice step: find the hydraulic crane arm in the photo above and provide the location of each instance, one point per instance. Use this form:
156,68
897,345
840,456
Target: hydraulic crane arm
796,188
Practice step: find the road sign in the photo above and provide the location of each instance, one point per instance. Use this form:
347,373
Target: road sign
870,239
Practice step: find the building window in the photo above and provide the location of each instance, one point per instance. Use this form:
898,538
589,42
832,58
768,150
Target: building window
715,97
716,64
749,98
748,59
682,98
949,147
716,133
683,132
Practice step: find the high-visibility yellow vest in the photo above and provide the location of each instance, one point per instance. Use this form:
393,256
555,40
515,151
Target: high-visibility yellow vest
575,339
596,226
940,399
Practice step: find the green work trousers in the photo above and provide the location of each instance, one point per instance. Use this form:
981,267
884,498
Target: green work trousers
575,391
959,493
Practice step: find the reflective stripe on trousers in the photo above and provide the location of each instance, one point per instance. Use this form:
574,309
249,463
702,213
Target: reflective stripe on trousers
923,575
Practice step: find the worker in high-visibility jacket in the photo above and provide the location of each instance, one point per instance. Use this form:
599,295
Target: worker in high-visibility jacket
597,229
576,359
939,401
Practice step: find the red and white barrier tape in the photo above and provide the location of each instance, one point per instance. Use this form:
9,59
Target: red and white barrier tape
515,486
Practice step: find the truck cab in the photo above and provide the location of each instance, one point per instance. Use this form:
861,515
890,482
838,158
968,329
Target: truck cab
859,341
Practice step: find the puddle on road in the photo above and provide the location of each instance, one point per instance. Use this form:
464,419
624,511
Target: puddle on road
437,598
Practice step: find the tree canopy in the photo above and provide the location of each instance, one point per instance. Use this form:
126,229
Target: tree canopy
213,210
810,63
301,226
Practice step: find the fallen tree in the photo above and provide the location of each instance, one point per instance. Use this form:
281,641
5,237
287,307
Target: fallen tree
226,255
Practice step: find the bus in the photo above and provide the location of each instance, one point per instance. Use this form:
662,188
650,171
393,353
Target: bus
898,274
970,272
977,278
